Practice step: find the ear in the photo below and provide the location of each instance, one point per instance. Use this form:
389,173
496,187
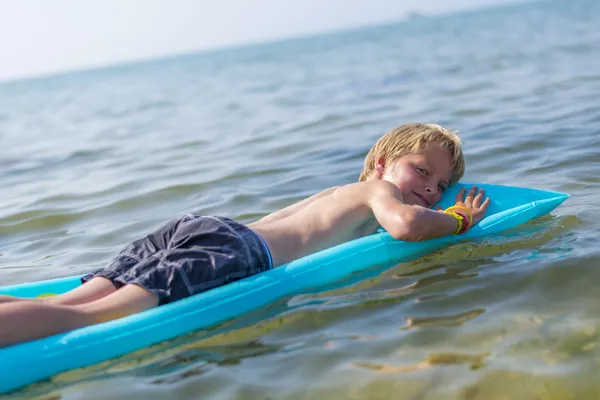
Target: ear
380,166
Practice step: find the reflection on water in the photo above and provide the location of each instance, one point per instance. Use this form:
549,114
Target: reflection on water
448,320
433,360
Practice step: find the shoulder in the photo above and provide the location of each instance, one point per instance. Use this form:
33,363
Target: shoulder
325,192
380,188
371,189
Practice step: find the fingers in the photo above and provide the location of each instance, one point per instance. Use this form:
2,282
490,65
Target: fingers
460,195
479,198
485,204
471,195
473,198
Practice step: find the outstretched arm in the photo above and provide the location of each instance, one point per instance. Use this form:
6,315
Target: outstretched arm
415,223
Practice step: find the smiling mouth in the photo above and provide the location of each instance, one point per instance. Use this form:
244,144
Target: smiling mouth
423,199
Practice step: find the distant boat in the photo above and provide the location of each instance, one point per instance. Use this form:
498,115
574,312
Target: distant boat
414,15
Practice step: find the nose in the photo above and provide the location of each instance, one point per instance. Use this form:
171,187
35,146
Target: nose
431,190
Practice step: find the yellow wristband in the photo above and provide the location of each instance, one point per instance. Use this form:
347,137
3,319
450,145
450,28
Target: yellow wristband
465,209
458,218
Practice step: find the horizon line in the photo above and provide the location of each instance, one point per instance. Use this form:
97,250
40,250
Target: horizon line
409,16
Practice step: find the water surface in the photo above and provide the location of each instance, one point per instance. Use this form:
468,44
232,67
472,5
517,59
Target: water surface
92,160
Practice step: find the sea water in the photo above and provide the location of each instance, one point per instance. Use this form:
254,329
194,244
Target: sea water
91,160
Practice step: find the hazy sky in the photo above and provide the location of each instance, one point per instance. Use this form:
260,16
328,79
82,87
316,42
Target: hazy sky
44,36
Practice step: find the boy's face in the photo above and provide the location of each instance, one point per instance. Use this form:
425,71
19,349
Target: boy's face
421,177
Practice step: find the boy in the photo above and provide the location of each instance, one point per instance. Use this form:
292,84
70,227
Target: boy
404,175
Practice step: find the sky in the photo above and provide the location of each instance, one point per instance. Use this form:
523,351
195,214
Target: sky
39,37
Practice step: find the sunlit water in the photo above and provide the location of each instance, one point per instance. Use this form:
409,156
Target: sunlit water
92,160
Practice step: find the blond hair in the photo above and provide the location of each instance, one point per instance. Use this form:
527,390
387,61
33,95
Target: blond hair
413,138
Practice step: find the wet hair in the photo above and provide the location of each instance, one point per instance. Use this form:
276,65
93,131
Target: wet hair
413,138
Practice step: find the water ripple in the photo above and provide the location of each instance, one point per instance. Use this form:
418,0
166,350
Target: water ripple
94,159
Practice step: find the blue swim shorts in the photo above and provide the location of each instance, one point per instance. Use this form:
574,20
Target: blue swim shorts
187,256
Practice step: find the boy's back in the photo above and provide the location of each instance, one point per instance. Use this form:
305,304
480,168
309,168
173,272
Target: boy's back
331,217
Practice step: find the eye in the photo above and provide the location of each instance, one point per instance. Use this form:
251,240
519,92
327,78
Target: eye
442,188
422,171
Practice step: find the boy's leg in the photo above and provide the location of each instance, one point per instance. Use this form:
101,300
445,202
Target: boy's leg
130,299
6,298
93,290
22,321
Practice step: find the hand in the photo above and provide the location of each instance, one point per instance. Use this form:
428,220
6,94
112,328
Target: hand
473,202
